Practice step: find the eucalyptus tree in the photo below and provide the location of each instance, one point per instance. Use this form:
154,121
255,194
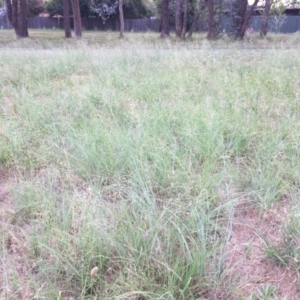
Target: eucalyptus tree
178,18
184,12
106,9
211,34
215,12
201,12
77,18
185,16
67,23
276,8
103,9
121,16
265,22
240,12
165,25
181,17
17,15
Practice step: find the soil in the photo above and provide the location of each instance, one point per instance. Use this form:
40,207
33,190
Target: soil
248,267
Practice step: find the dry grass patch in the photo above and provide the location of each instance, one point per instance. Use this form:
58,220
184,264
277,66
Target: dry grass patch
14,265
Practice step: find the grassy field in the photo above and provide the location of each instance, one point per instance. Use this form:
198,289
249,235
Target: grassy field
149,169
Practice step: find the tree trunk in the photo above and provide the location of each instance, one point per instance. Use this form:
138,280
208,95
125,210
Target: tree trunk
7,19
11,16
17,8
202,5
264,26
246,18
185,13
67,24
165,27
121,19
242,16
194,24
178,18
77,19
15,22
23,19
211,21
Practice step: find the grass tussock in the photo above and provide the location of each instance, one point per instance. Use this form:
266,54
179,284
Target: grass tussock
130,157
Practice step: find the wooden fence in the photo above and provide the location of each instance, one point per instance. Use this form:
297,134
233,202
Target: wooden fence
283,24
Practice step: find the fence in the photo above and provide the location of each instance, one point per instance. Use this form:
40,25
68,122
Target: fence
283,24
89,24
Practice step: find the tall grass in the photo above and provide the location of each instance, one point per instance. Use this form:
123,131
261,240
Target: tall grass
131,159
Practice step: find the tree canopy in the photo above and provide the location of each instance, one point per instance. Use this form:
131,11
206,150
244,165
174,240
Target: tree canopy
35,7
133,9
55,7
138,9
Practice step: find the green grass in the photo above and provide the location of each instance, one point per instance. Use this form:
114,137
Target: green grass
131,156
266,293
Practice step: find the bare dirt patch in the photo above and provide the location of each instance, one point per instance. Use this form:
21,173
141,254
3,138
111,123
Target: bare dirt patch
248,267
4,191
